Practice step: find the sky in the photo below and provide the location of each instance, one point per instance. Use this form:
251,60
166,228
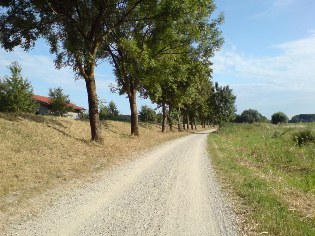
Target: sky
268,59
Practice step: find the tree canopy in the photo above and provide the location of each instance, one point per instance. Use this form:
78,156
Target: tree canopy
147,114
16,92
160,49
152,56
222,104
279,117
109,112
76,31
303,118
250,116
59,102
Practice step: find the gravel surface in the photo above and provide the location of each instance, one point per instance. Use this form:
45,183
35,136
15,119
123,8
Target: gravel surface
168,191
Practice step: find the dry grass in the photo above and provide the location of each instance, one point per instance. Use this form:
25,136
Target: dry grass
39,153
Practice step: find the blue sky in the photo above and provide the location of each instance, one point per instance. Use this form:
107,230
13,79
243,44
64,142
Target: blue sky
269,55
268,59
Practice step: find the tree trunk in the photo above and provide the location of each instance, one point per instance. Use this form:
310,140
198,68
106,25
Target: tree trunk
195,124
179,122
95,123
192,124
163,117
187,116
170,121
134,113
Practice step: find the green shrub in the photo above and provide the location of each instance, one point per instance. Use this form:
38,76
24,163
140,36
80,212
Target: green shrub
279,117
303,137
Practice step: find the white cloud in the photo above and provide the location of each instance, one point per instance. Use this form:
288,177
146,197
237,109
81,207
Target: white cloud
295,63
282,79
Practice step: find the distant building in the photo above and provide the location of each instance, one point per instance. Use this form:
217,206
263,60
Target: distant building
45,107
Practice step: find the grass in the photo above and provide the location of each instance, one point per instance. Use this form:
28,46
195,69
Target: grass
270,176
39,153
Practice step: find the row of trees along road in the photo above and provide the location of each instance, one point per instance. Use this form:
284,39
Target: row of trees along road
161,49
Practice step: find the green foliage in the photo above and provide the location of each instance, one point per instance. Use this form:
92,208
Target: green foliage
269,174
222,105
279,117
303,118
79,33
250,116
16,92
147,114
113,111
159,117
103,112
157,48
59,102
109,112
303,137
157,57
76,31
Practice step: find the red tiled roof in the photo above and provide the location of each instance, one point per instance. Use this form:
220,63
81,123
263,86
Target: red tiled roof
47,101
42,99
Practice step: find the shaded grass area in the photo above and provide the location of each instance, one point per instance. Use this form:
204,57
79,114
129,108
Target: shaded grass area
269,175
39,153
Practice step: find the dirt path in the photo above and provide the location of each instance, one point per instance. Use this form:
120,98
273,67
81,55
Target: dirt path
169,191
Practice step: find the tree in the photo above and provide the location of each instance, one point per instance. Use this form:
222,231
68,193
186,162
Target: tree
167,88
279,117
113,111
303,118
16,92
171,28
222,105
250,116
197,96
77,32
147,114
109,112
59,102
103,111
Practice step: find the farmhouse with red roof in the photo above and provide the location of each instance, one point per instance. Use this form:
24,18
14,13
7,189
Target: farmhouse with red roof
45,107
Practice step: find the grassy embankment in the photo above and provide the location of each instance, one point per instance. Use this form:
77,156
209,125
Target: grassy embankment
39,153
269,177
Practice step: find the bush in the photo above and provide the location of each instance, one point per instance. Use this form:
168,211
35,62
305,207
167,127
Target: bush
279,117
249,116
303,137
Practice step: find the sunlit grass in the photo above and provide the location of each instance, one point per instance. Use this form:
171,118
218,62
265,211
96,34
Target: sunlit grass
272,177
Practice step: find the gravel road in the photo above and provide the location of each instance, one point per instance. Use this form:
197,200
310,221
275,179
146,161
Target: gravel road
170,190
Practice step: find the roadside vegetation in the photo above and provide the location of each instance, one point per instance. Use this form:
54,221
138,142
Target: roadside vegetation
39,153
269,172
160,50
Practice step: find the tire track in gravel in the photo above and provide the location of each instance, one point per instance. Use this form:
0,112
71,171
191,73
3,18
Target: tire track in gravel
168,191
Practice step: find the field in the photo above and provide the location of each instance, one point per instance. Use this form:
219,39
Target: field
269,174
40,153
